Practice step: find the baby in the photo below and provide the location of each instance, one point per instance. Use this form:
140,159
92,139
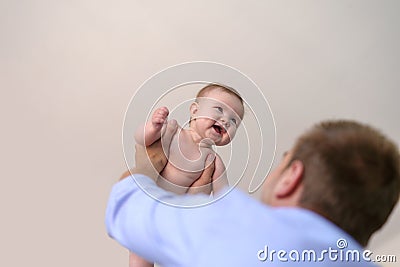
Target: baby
215,116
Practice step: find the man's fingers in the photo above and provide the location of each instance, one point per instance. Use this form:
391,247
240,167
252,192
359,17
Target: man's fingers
151,160
209,169
140,153
169,130
204,183
156,156
167,134
141,159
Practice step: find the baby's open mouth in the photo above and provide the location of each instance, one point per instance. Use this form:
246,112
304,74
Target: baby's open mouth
219,129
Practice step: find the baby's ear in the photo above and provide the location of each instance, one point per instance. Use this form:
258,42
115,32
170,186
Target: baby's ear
193,108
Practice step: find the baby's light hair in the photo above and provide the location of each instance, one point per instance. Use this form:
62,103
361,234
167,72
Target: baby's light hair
224,88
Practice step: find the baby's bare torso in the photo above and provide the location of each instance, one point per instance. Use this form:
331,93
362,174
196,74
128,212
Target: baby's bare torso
186,162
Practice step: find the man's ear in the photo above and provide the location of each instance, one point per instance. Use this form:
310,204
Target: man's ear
193,108
290,180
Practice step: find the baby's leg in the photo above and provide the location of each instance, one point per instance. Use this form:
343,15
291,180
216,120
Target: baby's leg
151,132
136,261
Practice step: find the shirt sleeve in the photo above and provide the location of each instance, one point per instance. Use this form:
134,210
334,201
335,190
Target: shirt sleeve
138,218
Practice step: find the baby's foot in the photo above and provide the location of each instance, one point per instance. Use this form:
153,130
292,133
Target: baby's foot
159,118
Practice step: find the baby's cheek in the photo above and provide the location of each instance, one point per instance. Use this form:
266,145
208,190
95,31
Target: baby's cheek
231,134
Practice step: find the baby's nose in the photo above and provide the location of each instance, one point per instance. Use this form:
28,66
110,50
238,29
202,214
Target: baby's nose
225,122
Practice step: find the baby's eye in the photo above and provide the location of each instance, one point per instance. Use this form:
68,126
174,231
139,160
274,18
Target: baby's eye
234,120
219,109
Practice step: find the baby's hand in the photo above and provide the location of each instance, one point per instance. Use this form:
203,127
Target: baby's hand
159,117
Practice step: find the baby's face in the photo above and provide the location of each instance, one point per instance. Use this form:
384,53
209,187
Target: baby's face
218,115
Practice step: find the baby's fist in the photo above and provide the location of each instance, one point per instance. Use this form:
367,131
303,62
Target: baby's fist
159,117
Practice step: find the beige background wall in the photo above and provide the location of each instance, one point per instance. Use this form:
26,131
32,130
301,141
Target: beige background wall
69,68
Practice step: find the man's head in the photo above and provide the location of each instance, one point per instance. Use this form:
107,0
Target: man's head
216,113
346,171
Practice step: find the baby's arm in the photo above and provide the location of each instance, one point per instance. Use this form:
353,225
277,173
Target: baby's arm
219,179
150,132
146,135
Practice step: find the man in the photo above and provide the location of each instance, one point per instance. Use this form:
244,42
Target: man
320,206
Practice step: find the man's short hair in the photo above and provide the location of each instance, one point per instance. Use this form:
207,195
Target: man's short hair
351,175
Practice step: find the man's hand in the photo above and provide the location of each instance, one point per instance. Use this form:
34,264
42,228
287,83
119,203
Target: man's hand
151,160
204,183
135,260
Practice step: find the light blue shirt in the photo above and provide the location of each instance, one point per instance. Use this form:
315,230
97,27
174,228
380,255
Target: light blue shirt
236,230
